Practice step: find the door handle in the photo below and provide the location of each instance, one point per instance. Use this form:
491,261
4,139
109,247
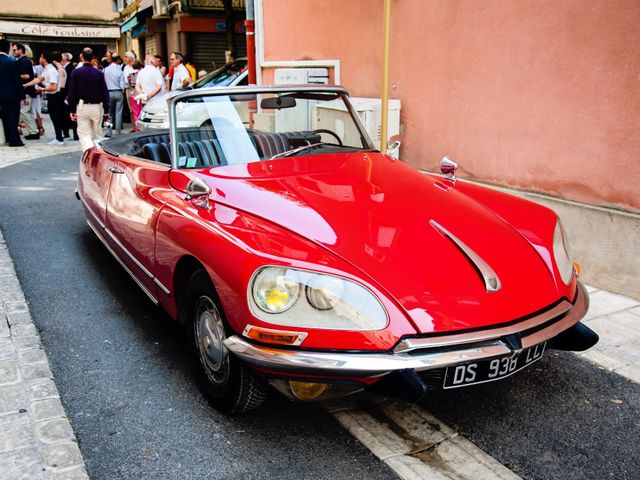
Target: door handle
114,169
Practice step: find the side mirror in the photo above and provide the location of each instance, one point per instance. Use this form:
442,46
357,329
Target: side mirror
394,146
448,167
199,191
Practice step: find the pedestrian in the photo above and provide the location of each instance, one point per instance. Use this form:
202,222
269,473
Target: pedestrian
181,76
88,100
149,81
202,74
114,78
129,91
27,117
136,105
36,103
11,93
191,67
51,87
67,124
158,62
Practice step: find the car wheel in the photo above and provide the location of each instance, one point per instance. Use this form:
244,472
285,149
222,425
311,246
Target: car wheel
230,385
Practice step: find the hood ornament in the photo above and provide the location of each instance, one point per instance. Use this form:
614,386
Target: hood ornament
490,278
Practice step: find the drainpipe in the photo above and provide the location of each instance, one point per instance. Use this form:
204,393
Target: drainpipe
385,78
249,25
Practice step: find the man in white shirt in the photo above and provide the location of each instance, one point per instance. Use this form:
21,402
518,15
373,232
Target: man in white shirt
148,81
54,98
181,76
114,78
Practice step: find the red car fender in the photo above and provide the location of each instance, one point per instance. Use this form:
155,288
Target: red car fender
232,244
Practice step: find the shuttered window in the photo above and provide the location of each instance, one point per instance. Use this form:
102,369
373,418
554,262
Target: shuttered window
208,48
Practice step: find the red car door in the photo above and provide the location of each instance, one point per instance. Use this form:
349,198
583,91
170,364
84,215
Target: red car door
136,197
93,185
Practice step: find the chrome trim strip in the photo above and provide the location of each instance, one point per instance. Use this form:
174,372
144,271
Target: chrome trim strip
162,287
104,242
491,280
411,344
133,259
375,364
129,254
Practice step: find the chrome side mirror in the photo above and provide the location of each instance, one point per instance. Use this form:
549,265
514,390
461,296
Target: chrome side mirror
448,168
199,191
393,148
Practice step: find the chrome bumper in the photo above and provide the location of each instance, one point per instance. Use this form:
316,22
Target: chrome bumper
419,353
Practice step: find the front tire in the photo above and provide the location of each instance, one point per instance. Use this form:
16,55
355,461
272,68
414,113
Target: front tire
228,383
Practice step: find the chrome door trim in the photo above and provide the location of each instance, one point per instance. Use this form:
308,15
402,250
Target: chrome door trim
126,252
135,279
490,278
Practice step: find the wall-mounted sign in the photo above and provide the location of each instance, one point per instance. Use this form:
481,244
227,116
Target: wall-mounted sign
54,30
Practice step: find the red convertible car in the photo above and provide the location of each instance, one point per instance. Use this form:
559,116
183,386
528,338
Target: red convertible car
298,257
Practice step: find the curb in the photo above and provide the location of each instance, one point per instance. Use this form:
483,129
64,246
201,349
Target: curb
37,440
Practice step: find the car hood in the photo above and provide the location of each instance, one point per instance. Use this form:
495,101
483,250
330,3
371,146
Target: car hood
377,213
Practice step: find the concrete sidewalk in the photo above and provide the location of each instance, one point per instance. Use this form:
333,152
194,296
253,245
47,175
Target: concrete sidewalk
37,440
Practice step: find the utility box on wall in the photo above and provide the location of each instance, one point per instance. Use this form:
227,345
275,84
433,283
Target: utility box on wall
331,115
287,119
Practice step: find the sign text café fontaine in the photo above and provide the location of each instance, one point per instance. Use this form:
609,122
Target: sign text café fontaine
53,30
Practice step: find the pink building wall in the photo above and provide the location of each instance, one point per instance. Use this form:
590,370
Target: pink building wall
534,94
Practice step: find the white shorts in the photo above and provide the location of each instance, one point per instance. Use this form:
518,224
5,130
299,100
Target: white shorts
36,105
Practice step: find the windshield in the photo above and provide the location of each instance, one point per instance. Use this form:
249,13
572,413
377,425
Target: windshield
214,130
222,77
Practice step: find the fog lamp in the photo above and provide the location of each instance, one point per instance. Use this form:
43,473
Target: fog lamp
307,391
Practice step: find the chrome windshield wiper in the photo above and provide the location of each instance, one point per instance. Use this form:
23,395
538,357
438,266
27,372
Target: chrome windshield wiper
293,151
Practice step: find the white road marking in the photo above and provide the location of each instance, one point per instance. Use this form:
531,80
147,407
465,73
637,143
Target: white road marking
411,441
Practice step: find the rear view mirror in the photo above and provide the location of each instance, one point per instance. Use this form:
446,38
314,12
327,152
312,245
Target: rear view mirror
277,103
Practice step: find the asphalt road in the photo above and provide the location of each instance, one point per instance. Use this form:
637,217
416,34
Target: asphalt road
121,364
121,368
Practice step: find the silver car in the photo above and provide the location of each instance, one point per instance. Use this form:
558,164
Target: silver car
155,114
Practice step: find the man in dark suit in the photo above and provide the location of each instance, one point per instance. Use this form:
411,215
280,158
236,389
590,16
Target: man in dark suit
11,93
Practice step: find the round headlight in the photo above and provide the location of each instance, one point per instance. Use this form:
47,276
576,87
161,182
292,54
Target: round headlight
561,253
323,292
275,290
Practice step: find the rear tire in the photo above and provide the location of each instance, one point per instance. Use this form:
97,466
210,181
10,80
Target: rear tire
230,385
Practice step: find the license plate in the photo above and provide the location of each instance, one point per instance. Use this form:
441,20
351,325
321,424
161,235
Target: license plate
491,369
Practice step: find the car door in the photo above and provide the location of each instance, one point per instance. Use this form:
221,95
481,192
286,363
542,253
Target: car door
137,194
94,180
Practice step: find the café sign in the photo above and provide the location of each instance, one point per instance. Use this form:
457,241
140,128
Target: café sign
53,30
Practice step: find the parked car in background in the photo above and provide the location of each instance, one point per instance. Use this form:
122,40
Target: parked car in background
154,115
297,256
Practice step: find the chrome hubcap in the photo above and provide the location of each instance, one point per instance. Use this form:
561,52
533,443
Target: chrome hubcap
210,336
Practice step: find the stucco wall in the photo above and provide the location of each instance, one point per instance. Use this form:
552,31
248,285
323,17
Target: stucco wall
534,94
86,9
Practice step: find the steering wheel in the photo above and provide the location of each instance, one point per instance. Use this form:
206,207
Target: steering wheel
333,134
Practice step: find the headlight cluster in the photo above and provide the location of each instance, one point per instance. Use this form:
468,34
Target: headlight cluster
562,254
298,298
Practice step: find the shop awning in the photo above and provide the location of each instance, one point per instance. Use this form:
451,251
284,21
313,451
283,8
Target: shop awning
138,18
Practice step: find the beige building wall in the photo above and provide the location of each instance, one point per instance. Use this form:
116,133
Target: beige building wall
60,9
534,94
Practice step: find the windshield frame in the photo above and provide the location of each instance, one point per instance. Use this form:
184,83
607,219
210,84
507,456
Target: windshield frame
341,92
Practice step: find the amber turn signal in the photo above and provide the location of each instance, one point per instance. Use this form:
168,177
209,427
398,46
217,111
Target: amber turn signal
577,268
277,337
